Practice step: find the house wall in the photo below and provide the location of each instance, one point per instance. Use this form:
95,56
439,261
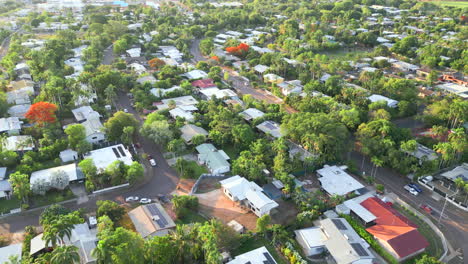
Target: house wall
309,251
228,194
220,170
95,138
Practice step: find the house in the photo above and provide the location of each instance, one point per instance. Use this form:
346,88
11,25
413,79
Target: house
85,240
270,128
189,131
151,220
19,110
134,52
335,181
325,77
272,78
137,68
68,155
208,93
172,52
248,193
13,250
39,246
187,100
5,186
338,237
158,92
354,208
17,85
147,79
291,87
179,112
104,157
453,88
82,113
261,68
94,130
87,97
204,83
257,256
423,153
446,187
396,233
196,74
20,96
71,170
377,97
11,125
18,143
251,113
216,160
404,66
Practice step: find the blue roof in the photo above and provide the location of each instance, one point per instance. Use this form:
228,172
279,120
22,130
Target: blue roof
120,3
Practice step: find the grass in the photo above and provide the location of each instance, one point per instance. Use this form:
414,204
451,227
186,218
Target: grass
348,53
435,248
193,170
231,151
51,197
191,217
7,205
460,4
254,242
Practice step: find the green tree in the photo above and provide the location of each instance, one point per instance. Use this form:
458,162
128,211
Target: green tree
134,172
425,259
20,185
65,254
206,46
113,210
158,131
243,135
60,226
90,170
262,223
76,134
127,135
161,249
115,125
176,146
120,246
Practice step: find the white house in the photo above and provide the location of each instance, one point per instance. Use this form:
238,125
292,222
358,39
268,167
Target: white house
196,74
103,157
133,53
270,128
377,97
208,93
82,113
85,240
216,160
68,155
19,143
239,189
257,256
189,131
179,112
19,110
272,78
45,175
335,181
187,100
251,114
291,87
94,130
11,125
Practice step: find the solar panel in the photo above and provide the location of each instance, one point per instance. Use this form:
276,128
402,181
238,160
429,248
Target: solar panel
122,152
359,249
269,260
339,224
116,152
154,210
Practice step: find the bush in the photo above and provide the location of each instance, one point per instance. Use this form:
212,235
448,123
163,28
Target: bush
4,240
183,204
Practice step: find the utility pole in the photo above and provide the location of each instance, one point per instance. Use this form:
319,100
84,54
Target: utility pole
443,208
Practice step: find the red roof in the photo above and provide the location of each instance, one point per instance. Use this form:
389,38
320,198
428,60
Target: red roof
204,83
397,230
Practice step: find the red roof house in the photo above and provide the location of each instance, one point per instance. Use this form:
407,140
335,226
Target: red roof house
394,231
204,83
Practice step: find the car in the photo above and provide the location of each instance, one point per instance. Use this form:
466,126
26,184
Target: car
125,110
145,200
426,208
415,187
426,179
131,199
152,162
411,190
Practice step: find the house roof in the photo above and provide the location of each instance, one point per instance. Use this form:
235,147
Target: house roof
204,83
335,180
10,123
68,155
189,131
85,240
261,68
84,112
312,236
377,97
399,232
213,157
3,171
105,156
257,256
360,210
458,172
11,250
179,101
196,74
260,200
178,112
19,143
251,113
19,110
70,170
150,218
158,92
37,244
209,92
270,127
92,126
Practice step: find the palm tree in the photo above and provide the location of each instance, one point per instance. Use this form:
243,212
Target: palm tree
65,255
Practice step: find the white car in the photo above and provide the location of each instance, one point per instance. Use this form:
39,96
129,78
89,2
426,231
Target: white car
152,162
411,190
131,199
125,110
145,200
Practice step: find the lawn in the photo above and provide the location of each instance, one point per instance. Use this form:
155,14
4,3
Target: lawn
51,197
346,53
460,4
435,244
192,169
232,151
191,217
7,205
255,242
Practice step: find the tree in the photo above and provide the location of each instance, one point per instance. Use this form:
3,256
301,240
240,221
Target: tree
42,113
120,46
113,210
20,185
156,63
134,172
249,166
176,146
183,203
76,134
59,227
161,249
8,158
65,254
115,125
198,140
262,223
242,135
158,131
127,135
89,169
59,179
425,259
206,46
120,246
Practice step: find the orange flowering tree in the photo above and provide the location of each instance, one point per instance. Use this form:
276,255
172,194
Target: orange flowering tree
156,63
42,113
240,50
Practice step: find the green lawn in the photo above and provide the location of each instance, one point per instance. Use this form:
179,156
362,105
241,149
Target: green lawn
435,244
51,197
7,205
460,4
255,242
231,151
191,217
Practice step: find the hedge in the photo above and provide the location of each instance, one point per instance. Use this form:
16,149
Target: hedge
370,239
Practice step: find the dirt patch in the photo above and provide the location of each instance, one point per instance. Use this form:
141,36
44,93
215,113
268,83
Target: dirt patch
185,186
216,204
208,184
285,213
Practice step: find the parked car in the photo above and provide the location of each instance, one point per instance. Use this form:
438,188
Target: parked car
411,190
152,162
131,199
125,110
426,179
426,208
145,200
415,187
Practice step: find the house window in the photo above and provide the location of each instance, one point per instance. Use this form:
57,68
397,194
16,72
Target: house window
94,137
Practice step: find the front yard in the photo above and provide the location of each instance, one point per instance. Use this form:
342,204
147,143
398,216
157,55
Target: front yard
7,205
51,197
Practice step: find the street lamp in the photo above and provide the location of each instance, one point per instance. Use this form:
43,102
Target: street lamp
443,208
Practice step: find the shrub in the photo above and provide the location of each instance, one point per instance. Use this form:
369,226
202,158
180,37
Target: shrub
183,204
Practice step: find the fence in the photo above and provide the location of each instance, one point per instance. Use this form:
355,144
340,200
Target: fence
110,188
